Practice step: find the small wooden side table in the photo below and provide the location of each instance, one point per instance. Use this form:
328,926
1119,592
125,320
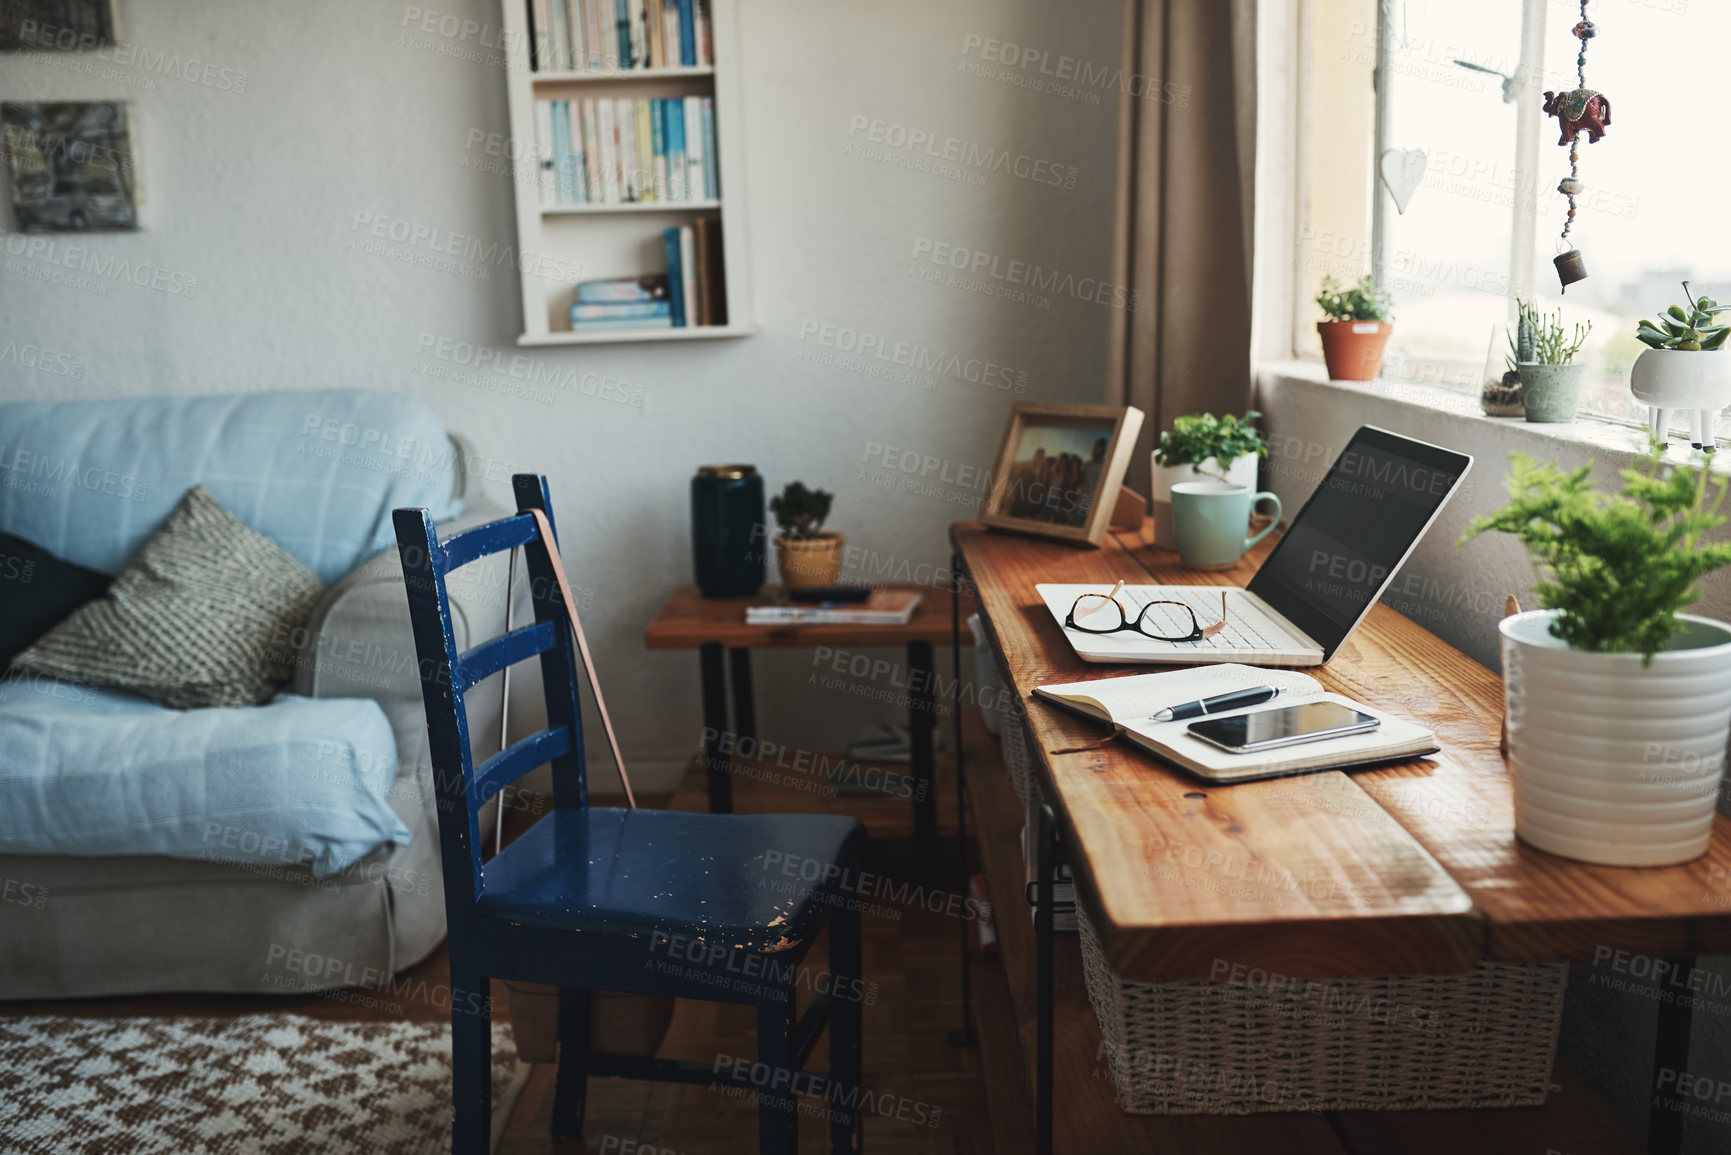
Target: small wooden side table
716,629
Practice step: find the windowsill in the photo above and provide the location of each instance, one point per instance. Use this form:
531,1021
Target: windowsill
1605,440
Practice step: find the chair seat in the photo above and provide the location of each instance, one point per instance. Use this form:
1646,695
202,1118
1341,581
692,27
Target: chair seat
746,880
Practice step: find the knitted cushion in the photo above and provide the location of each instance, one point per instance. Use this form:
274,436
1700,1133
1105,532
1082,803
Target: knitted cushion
203,615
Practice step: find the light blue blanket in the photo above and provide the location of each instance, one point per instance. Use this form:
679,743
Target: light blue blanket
96,772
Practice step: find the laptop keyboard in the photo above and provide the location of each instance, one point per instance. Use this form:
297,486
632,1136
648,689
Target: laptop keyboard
1244,625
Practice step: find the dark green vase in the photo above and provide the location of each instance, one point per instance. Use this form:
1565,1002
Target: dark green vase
729,543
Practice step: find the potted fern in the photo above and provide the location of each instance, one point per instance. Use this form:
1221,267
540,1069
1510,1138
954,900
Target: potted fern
1674,372
1360,319
1550,377
1202,445
807,554
1618,703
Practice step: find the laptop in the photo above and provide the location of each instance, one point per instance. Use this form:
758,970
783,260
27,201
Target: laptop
1337,556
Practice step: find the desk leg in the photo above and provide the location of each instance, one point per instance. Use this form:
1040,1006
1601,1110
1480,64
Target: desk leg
1045,861
922,757
1668,1111
962,1036
715,760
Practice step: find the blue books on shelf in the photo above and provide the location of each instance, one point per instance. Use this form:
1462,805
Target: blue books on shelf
650,287
620,314
673,117
687,35
622,17
711,173
564,164
675,276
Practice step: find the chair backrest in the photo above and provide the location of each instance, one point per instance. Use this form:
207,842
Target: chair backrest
446,676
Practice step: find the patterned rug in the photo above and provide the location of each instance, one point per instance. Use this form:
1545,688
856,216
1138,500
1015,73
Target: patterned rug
271,1084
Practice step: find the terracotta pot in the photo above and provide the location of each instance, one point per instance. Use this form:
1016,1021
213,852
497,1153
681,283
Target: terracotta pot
619,1023
1353,349
814,561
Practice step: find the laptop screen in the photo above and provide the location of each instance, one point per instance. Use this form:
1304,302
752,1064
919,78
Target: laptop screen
1345,545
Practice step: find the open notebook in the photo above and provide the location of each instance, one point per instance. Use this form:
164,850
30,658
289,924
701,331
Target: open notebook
1129,701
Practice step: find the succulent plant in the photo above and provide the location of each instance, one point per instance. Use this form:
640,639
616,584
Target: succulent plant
800,511
1689,326
1365,301
1541,338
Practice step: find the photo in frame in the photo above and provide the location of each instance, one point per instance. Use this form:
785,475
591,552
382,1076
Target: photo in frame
71,165
1059,470
57,25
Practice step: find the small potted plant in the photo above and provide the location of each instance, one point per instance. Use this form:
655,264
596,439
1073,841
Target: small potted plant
1360,320
1202,445
808,554
1618,703
1550,378
1502,397
1672,373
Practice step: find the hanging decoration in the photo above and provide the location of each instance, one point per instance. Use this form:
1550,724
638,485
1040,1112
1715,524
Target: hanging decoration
1402,171
1581,110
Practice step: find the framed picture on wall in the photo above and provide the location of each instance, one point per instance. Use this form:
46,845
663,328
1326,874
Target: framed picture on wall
1059,470
56,25
71,165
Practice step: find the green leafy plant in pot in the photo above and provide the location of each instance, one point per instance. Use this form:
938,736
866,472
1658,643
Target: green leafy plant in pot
1355,334
1199,447
808,554
1618,703
1550,377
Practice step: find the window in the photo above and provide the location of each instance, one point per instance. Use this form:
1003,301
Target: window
1482,224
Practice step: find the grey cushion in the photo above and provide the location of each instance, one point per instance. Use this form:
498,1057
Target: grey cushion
205,614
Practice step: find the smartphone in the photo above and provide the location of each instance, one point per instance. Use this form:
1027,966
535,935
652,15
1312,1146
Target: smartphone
1283,726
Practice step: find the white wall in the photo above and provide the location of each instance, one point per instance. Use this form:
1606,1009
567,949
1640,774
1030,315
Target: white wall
322,110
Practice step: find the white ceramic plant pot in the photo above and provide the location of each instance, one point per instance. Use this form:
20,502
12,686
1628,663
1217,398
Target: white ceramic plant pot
1694,379
1614,763
1242,474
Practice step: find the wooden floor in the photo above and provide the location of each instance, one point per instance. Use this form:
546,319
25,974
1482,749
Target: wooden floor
977,1097
911,1068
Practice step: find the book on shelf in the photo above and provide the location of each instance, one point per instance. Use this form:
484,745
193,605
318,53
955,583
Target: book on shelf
689,273
883,608
1129,703
651,287
711,277
622,315
675,274
624,150
620,35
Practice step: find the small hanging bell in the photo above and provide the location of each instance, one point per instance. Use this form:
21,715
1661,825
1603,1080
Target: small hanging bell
1571,268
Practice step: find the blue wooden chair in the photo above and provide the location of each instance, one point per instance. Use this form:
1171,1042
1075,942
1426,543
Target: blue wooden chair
594,898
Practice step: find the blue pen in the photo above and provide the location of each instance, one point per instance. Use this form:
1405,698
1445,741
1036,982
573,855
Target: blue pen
1218,704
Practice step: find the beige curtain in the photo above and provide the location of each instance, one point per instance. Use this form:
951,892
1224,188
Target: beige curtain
1186,175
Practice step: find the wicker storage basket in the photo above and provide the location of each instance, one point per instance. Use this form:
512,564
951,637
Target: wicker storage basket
1481,1039
1018,762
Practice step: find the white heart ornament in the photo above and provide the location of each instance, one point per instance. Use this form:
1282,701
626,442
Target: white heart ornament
1402,172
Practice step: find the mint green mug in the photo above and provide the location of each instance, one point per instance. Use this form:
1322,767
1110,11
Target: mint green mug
1211,520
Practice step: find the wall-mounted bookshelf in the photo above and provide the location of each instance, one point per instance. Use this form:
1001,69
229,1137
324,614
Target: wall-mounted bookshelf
574,222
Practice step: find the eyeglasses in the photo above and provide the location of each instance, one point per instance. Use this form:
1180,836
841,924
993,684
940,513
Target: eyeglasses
1165,621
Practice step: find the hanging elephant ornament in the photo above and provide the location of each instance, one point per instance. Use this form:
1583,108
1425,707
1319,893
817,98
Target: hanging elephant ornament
1579,110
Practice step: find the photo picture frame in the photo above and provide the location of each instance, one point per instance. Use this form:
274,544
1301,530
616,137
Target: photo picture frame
57,25
1059,470
70,165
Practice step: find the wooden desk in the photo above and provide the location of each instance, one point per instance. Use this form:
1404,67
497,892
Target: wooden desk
1409,869
714,626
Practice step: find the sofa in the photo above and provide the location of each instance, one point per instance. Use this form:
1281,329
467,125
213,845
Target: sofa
319,473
